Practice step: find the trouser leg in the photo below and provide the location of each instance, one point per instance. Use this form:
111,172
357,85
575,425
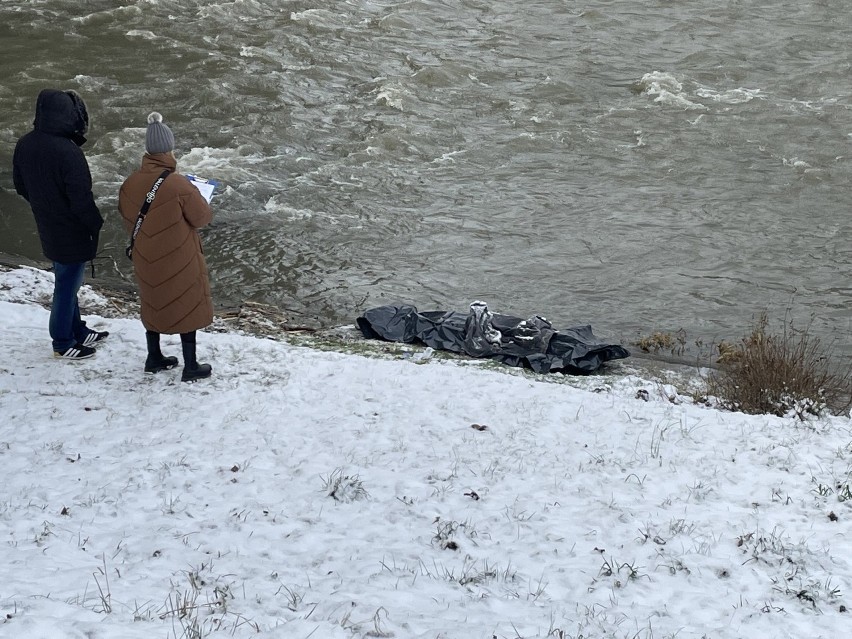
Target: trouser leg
65,323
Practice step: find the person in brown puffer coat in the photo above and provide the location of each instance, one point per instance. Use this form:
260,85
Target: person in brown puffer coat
166,251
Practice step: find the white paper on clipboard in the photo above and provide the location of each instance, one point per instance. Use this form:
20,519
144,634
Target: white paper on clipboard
204,186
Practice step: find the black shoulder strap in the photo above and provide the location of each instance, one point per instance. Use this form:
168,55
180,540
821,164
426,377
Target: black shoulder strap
149,197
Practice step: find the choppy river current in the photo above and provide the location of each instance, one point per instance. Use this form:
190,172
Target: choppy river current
639,166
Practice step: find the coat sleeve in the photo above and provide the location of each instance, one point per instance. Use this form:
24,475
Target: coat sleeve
78,188
17,178
196,210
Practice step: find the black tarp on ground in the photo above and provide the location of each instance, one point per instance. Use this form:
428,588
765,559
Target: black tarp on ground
532,342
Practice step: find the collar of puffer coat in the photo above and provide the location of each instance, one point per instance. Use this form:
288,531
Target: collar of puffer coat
158,162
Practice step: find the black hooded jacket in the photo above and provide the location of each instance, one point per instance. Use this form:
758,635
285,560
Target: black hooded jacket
52,174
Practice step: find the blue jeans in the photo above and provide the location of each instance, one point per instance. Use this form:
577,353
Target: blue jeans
66,327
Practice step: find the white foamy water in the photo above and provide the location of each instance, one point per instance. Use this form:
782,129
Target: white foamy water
642,169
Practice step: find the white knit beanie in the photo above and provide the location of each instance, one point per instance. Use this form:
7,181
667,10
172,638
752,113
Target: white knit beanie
158,138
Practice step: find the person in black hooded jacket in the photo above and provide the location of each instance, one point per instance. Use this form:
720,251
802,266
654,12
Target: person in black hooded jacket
50,171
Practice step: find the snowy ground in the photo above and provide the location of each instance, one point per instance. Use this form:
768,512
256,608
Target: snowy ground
301,493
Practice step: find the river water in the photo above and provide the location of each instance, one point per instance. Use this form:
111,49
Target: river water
639,166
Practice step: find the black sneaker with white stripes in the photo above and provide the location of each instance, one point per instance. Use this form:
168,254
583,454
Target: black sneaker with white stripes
78,351
94,337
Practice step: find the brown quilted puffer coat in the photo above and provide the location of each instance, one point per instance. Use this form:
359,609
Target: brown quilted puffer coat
170,269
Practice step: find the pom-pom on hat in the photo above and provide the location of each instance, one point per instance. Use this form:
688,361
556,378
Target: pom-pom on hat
158,138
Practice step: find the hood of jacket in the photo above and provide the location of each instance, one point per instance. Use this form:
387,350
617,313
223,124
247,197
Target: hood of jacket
62,113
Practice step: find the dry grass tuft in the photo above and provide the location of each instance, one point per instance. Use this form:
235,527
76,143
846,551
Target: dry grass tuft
780,374
658,341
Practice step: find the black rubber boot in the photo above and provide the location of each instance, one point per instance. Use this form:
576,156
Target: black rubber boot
192,370
155,361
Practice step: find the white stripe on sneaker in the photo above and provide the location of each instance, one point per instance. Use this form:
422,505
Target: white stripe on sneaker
93,337
78,351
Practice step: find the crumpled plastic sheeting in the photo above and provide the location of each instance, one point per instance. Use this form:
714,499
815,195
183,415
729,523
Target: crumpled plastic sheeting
532,343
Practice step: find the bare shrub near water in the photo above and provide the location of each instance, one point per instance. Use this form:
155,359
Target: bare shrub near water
781,374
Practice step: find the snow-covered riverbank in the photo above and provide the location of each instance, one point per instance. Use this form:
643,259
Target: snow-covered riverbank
310,493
